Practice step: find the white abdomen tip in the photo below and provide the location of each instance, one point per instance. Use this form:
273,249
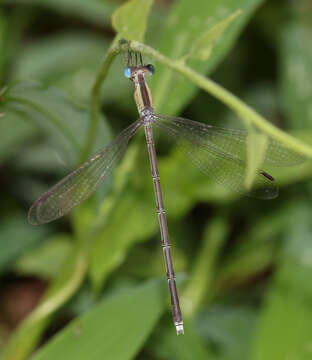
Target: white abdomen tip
180,329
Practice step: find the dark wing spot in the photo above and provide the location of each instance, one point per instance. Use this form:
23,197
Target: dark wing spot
268,176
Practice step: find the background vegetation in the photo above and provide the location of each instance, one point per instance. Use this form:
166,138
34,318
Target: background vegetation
92,285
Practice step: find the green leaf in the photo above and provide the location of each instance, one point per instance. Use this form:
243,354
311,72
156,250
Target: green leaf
186,22
46,259
68,280
256,250
113,242
95,11
15,133
296,71
285,326
115,329
68,61
3,38
12,27
63,123
15,237
202,47
230,328
130,19
257,144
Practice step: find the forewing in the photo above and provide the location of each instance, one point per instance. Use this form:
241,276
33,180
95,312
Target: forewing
219,165
234,142
81,183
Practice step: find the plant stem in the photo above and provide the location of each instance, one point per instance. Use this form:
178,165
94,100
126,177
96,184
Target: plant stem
242,109
26,337
95,99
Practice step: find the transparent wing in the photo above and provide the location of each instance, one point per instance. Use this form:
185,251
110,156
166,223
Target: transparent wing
234,142
81,183
220,157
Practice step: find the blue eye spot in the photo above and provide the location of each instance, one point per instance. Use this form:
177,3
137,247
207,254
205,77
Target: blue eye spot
127,72
150,68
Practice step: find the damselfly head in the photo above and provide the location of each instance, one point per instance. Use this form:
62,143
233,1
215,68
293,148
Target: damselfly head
133,61
130,72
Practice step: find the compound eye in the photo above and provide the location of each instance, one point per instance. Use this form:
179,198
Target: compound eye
127,72
150,68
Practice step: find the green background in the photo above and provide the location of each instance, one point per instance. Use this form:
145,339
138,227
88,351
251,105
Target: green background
95,279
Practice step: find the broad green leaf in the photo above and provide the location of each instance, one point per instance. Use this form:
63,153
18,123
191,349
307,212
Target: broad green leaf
15,132
256,249
114,329
295,56
130,19
95,11
230,328
16,236
202,47
62,123
12,27
285,327
3,38
185,24
257,144
111,246
46,259
69,61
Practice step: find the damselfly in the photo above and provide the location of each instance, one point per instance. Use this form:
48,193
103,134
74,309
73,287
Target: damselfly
220,153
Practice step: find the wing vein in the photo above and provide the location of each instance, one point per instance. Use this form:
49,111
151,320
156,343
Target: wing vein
82,182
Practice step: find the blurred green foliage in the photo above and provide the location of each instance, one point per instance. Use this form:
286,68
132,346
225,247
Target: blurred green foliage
244,266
